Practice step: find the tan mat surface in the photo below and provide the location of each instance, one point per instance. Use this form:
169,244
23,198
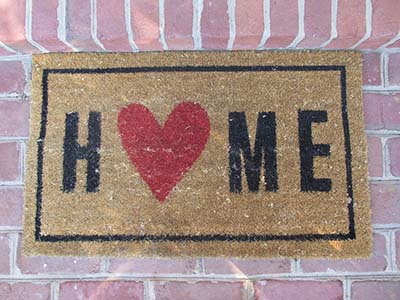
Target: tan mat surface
248,154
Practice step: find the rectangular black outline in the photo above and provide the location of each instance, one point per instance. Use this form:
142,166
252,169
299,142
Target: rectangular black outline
195,238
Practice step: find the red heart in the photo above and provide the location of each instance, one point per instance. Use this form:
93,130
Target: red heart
162,156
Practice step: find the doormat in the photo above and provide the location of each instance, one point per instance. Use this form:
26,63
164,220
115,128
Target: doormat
244,154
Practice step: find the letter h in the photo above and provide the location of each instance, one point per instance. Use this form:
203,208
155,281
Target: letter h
73,151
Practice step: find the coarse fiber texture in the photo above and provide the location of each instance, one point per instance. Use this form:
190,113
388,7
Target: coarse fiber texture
245,154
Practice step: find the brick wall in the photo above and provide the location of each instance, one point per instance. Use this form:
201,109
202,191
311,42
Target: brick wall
32,26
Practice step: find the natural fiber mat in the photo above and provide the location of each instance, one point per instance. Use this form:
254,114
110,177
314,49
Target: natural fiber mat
248,154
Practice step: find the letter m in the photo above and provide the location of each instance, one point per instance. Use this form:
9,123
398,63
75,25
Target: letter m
264,150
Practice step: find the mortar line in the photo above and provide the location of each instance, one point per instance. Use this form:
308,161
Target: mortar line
62,24
388,255
334,10
248,292
7,187
392,41
27,65
267,25
21,163
385,69
14,271
320,276
300,34
346,288
28,27
383,164
381,89
382,69
203,265
16,97
54,290
12,138
10,229
105,264
368,24
11,183
161,16
232,23
373,180
384,132
298,266
393,249
389,180
93,24
149,290
196,26
17,57
385,226
10,251
386,157
199,267
8,48
389,50
383,140
128,25
293,265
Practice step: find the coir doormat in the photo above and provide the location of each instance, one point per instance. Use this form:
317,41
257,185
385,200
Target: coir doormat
248,154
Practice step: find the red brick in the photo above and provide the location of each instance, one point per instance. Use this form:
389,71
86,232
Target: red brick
299,290
215,24
111,27
246,266
198,290
394,69
284,23
385,23
12,77
317,23
375,157
373,111
79,25
12,25
394,157
14,118
146,24
372,68
11,203
152,266
5,255
9,161
350,23
55,265
375,290
391,111
12,21
385,202
249,18
25,291
45,25
377,262
398,249
101,290
179,24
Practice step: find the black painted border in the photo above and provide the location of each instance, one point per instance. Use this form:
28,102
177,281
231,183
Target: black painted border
194,238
